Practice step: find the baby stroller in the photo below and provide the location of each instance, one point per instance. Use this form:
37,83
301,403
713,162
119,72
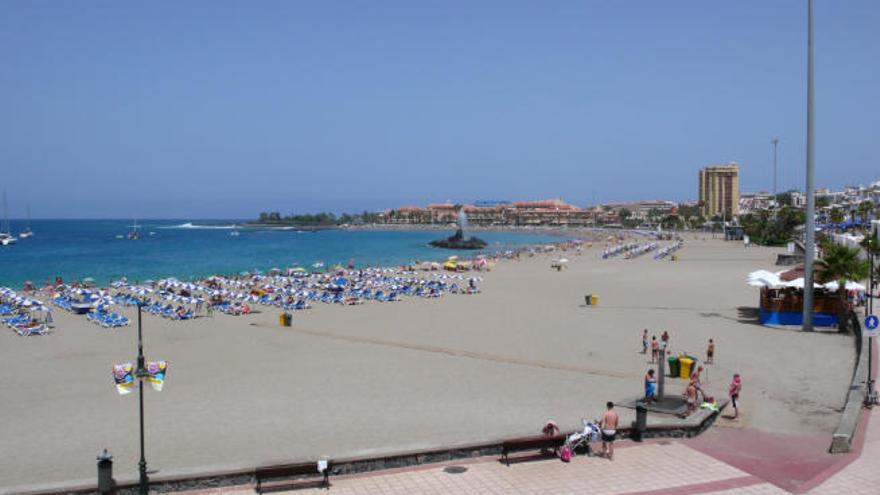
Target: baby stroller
581,440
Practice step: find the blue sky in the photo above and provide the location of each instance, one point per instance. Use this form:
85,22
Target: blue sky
223,109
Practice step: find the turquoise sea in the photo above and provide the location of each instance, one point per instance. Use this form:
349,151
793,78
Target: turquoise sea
75,249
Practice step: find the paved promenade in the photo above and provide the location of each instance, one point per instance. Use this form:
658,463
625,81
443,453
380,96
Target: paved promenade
712,463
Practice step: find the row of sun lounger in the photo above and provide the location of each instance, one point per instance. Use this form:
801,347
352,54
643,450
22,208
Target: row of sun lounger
107,319
24,325
167,311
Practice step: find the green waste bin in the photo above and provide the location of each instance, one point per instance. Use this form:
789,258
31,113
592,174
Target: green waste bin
673,366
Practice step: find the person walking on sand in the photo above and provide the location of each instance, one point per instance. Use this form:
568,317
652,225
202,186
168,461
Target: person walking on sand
664,342
655,349
710,352
645,341
733,392
608,424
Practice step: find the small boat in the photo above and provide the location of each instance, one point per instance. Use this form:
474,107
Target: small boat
135,233
27,232
6,237
235,233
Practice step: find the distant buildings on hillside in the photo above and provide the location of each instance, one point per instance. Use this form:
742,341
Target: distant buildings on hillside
552,212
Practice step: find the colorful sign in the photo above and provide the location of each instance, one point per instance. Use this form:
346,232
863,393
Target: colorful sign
156,371
123,375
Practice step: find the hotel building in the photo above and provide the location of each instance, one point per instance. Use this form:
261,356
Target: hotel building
719,190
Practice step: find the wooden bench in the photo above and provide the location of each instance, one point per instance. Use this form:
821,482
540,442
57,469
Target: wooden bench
292,471
539,442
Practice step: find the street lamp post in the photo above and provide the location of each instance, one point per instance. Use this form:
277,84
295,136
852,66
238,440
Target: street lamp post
775,190
810,226
140,374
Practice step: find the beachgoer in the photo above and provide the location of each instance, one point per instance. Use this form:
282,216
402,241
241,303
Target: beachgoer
650,386
551,429
210,309
691,397
608,424
655,349
645,341
710,352
696,380
664,342
734,391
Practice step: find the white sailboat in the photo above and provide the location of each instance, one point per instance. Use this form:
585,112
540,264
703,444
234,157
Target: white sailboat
6,237
135,234
27,232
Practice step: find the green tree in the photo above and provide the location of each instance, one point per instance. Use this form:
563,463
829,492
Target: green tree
823,202
841,264
623,214
864,209
670,222
836,215
784,198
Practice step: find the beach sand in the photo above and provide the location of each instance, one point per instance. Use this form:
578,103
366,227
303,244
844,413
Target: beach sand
411,374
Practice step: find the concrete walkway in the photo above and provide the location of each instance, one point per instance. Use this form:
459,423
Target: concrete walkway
655,467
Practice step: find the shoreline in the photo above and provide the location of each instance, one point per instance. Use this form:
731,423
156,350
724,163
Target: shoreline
563,235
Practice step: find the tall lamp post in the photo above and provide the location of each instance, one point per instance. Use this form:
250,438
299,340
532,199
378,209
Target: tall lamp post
141,373
127,377
775,190
810,226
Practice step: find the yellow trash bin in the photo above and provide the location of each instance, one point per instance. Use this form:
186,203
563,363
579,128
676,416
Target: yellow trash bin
674,257
594,300
686,365
281,320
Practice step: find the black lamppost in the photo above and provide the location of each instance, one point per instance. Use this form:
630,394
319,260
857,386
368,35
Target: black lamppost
141,373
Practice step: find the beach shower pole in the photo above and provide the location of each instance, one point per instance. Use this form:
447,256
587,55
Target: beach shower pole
661,378
140,373
810,225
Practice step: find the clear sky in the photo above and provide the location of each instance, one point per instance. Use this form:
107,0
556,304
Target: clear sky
191,109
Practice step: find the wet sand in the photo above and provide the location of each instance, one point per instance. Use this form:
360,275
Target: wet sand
412,374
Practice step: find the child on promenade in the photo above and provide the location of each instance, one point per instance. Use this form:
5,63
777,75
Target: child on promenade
645,341
733,392
655,349
710,352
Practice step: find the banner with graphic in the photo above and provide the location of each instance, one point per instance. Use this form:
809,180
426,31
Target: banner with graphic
123,375
156,374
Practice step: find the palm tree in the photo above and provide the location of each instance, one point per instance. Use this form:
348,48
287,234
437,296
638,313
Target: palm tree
836,215
841,264
864,209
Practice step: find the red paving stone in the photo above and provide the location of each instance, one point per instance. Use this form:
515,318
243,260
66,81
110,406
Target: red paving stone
787,461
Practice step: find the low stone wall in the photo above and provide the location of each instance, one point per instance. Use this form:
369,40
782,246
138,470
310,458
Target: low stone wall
354,465
842,439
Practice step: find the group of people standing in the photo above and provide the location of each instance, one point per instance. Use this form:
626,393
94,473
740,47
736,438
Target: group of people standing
694,393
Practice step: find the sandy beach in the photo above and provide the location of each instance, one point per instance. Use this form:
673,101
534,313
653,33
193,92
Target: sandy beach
411,374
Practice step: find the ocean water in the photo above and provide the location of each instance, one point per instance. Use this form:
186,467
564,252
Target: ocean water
75,249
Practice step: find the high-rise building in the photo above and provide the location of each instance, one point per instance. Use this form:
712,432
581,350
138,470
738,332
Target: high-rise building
719,190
